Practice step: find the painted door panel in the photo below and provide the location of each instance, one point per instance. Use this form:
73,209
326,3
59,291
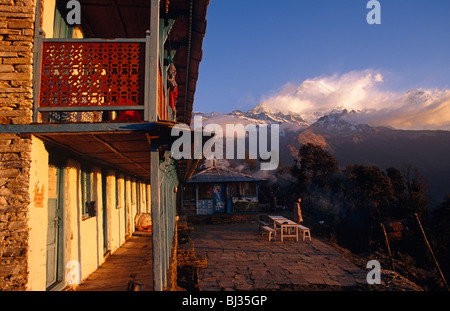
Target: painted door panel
54,227
218,196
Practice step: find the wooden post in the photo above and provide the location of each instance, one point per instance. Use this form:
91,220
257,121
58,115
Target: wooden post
37,60
154,59
388,247
147,78
431,251
156,219
196,198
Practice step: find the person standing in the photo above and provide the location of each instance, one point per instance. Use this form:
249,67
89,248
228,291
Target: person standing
298,211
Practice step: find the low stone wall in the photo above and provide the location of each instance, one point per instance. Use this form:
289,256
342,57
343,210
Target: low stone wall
222,219
14,202
188,261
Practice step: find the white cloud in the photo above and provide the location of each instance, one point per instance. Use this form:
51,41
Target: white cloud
417,109
361,91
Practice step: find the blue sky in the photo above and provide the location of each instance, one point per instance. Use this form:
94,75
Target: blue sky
253,48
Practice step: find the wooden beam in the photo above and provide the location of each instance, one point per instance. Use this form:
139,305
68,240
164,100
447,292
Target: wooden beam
76,127
90,108
73,153
109,146
150,137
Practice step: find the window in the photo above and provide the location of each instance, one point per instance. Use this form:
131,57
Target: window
133,191
88,207
143,195
60,27
204,192
124,192
189,193
117,191
249,189
234,190
138,196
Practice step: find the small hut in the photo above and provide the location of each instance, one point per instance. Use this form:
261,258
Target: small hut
217,190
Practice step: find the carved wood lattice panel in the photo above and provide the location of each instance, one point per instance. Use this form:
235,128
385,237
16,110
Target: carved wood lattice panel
80,74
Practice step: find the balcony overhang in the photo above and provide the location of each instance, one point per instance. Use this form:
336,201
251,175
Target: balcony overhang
123,147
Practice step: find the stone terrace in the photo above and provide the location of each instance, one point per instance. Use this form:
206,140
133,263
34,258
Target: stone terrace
132,261
239,258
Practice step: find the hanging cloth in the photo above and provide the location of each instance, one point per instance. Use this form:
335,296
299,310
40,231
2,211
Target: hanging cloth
173,95
172,84
172,73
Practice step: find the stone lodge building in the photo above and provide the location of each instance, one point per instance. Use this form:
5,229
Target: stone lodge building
86,112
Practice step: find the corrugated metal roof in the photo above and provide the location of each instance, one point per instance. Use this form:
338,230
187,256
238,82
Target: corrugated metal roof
217,174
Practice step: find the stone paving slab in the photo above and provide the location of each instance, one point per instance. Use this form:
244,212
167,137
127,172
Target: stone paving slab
239,258
133,260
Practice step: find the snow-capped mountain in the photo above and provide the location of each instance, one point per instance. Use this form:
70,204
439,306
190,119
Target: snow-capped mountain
261,114
352,142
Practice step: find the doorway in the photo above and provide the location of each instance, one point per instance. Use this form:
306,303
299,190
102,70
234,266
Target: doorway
105,213
54,267
219,198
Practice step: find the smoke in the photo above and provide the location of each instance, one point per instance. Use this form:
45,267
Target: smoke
361,91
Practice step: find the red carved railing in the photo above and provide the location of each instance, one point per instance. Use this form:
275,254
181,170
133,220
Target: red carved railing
80,79
92,75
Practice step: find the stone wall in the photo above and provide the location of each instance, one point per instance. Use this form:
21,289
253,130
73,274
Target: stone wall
16,101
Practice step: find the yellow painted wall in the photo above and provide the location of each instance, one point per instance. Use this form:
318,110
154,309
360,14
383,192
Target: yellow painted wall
82,239
38,216
48,18
48,21
91,231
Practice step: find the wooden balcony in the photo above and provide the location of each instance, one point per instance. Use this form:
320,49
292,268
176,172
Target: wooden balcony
105,100
96,80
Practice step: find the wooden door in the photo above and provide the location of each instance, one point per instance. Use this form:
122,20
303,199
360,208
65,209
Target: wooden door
218,198
54,229
105,213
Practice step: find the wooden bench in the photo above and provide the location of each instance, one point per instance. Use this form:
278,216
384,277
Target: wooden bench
269,231
306,233
262,224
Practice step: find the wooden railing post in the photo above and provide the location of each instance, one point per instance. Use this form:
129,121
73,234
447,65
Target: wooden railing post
147,78
154,61
37,60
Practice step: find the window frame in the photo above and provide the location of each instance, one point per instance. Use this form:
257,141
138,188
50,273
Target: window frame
86,185
204,191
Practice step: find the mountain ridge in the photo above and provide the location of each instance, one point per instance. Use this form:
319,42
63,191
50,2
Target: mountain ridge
355,143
